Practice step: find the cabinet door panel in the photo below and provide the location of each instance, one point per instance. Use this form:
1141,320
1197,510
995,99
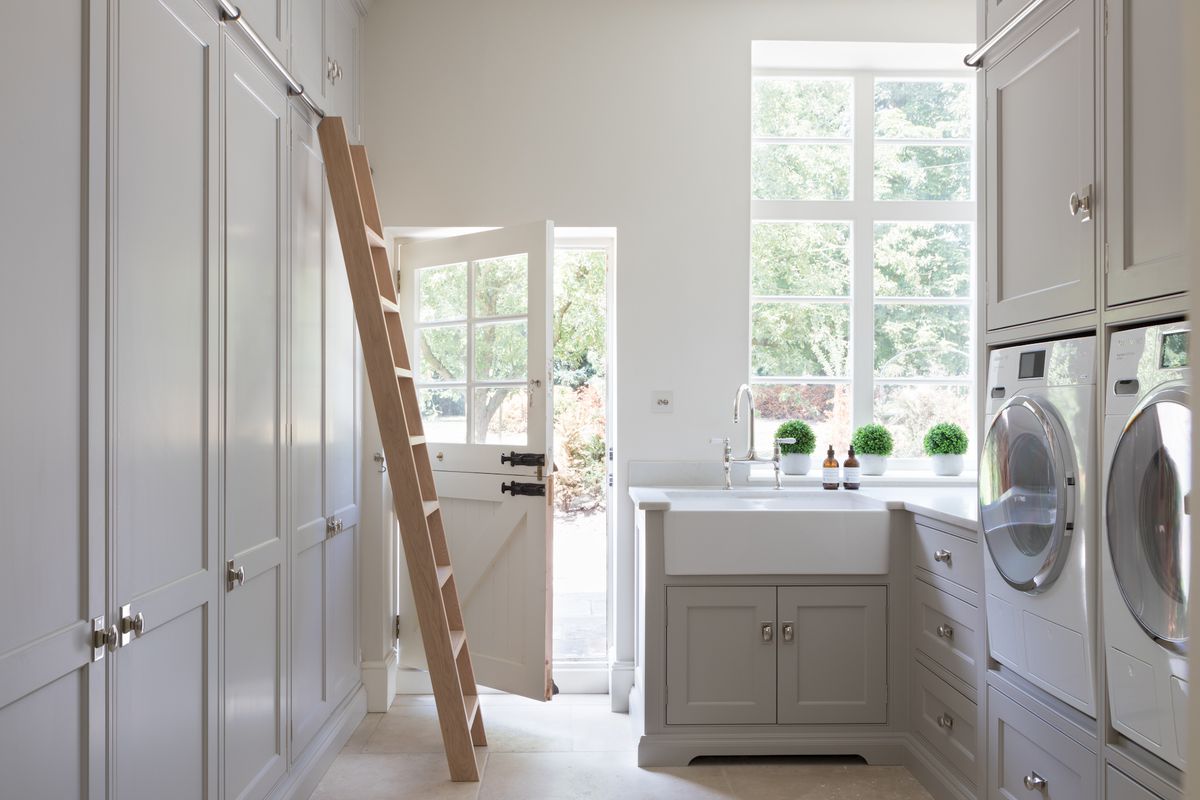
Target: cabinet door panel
1041,260
834,670
307,660
307,55
1147,234
1021,745
341,385
268,18
341,39
342,597
720,667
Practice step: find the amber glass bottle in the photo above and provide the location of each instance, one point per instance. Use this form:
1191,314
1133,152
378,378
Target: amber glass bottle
851,472
829,471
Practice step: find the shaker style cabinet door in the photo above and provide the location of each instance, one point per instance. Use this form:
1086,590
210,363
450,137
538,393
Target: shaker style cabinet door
341,42
254,631
164,394
1144,219
720,655
269,18
1041,192
52,419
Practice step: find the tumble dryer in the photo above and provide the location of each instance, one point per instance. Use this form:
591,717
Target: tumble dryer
1147,443
1035,509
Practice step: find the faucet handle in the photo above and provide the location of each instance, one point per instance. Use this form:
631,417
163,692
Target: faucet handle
722,440
785,441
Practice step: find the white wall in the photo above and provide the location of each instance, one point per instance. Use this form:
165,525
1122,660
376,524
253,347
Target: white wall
624,113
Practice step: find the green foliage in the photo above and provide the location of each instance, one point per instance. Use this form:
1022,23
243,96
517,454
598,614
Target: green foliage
946,439
922,172
794,339
802,107
923,259
808,259
923,109
801,171
872,440
806,440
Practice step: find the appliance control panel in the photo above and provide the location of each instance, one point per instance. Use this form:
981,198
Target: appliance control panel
1066,362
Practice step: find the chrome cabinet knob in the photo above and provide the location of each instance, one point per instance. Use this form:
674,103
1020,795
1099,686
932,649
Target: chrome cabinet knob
945,721
107,638
768,631
135,624
1081,204
1035,782
942,556
789,631
945,631
234,576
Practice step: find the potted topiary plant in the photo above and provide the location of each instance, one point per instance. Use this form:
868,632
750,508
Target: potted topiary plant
947,443
796,458
873,444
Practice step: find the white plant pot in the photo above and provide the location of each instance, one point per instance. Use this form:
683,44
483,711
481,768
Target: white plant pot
947,465
872,465
795,463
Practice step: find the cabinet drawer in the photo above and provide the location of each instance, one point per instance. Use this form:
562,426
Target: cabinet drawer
946,719
950,557
947,630
1119,786
1023,751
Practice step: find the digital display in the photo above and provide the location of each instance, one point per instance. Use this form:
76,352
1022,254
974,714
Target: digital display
1033,365
1173,354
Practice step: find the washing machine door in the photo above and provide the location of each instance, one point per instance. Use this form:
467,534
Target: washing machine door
1147,512
1026,494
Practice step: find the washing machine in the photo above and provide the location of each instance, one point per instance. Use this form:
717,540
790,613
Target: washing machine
1036,476
1144,589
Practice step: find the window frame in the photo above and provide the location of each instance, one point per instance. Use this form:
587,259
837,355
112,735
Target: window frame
862,212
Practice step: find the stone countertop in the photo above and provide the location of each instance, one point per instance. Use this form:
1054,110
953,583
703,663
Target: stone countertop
955,505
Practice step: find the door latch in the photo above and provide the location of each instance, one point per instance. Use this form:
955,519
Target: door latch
526,489
516,459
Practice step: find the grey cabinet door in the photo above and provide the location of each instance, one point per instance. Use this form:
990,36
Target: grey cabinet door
1025,753
164,396
1041,259
1147,235
720,655
254,631
307,54
269,18
833,662
52,419
341,42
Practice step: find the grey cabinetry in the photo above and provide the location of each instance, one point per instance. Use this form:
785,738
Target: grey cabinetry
720,655
52,418
1040,162
832,654
1146,232
255,614
269,18
1119,786
324,55
1029,757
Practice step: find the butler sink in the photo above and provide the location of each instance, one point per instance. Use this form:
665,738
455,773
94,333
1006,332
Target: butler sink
768,532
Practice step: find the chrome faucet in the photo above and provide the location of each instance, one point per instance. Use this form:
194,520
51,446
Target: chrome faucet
744,391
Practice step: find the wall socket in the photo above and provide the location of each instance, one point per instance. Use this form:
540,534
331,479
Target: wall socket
662,402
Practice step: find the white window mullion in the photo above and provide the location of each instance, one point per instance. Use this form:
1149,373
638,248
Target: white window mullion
862,311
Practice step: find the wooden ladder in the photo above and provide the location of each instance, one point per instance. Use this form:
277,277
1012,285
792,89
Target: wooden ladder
390,375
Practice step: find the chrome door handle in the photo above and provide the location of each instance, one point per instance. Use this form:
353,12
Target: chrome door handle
945,721
1035,782
135,624
767,630
945,631
1081,204
942,556
234,576
789,631
334,526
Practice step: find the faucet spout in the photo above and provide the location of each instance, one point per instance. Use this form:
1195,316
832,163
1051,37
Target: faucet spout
744,390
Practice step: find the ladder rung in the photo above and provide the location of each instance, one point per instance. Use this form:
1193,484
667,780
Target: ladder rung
471,703
401,372
375,239
443,575
457,640
388,305
415,440
430,506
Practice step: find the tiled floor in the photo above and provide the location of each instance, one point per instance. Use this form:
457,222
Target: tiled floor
575,749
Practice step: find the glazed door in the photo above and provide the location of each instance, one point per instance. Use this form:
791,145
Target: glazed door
479,329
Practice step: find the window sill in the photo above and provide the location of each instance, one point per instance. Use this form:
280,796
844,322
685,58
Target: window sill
765,476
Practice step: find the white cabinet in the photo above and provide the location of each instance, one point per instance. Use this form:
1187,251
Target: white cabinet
1146,230
1041,246
269,19
324,56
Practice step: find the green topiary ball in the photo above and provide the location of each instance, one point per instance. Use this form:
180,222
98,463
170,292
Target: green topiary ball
806,440
946,439
872,440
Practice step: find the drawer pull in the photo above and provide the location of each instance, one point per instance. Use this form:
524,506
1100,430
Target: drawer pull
942,556
945,721
1035,782
945,631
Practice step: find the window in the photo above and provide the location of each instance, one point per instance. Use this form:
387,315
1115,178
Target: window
862,252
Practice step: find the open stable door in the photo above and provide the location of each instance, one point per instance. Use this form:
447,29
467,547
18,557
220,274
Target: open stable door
477,309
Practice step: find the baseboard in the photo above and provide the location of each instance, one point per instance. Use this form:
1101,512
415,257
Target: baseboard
308,770
379,679
678,749
620,684
937,779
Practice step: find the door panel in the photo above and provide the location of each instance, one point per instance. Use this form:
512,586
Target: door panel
164,393
721,655
341,383
834,668
307,659
268,18
341,553
1041,260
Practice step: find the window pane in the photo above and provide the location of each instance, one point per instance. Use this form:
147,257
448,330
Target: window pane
923,109
922,341
801,171
802,107
824,406
501,351
922,172
442,293
808,259
442,353
445,413
795,339
922,259
909,411
502,286
501,415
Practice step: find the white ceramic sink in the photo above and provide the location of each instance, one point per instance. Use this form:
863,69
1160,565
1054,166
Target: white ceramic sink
768,532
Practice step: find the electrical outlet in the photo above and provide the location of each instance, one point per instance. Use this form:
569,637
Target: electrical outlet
662,402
